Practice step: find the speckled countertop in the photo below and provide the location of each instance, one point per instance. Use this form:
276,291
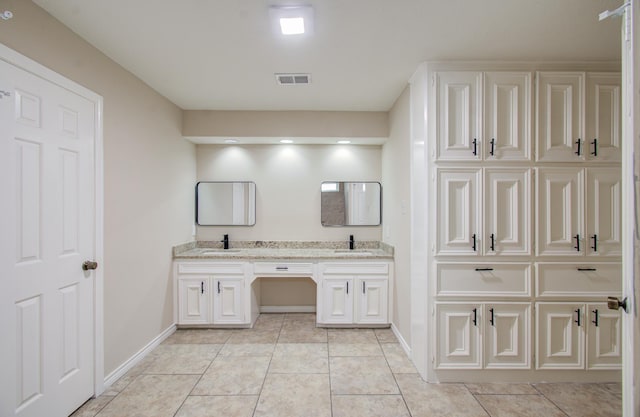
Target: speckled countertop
283,250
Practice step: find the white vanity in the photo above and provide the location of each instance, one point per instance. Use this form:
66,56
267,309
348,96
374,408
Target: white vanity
221,288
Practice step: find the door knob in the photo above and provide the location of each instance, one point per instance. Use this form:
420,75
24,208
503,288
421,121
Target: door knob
614,303
89,265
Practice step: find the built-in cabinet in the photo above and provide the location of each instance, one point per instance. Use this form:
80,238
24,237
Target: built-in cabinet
494,188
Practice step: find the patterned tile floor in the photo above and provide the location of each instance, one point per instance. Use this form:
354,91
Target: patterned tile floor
285,366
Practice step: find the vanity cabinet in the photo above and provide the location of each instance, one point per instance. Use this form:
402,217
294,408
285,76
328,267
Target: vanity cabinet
194,300
228,305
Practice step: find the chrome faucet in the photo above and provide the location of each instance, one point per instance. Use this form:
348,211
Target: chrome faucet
225,242
351,242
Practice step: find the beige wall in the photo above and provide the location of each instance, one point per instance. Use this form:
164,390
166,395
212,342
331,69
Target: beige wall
149,172
285,123
396,209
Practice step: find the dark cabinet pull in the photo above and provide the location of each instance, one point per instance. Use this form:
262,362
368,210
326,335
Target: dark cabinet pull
474,246
577,320
492,318
579,144
475,146
363,287
218,287
493,242
596,317
492,149
347,287
282,268
484,269
587,269
201,287
475,316
595,147
577,246
595,243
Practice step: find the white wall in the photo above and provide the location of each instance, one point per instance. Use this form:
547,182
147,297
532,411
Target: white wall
396,209
149,172
288,179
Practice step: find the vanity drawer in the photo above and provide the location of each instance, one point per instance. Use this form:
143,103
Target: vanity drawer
478,280
211,268
348,268
283,268
578,280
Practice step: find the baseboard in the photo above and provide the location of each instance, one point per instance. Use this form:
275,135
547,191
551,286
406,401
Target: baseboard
287,309
403,343
137,357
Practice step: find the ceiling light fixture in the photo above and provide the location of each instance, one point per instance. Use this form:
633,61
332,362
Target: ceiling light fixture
292,20
344,142
292,25
230,141
286,141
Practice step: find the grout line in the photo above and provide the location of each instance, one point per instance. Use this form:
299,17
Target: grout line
550,400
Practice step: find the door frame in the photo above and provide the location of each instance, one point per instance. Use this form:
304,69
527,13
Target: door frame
27,64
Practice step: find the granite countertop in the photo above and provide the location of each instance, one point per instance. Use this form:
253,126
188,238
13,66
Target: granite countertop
283,250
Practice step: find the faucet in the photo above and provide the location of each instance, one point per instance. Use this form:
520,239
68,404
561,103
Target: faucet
351,242
225,242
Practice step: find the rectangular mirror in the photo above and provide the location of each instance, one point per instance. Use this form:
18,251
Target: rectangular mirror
225,203
350,203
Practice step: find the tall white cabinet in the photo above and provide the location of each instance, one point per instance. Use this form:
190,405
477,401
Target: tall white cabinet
525,171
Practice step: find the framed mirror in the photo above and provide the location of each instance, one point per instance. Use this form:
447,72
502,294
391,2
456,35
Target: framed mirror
220,203
350,203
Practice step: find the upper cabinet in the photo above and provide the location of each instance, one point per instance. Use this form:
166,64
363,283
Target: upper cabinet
483,116
578,116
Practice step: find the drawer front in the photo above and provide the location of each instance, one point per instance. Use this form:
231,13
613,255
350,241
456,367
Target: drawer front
478,280
578,280
211,268
346,268
283,268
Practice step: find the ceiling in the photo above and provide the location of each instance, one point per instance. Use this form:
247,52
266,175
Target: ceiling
222,54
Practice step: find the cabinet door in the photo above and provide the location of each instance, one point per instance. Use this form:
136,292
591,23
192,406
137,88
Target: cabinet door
603,116
604,350
507,119
372,302
507,212
459,107
560,133
604,211
459,212
560,224
337,300
560,335
458,336
194,303
507,339
228,306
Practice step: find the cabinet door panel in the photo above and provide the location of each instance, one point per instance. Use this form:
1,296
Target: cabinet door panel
372,300
507,98
560,116
604,337
603,116
194,300
459,208
507,340
507,212
458,336
228,306
459,107
337,303
560,211
604,211
560,338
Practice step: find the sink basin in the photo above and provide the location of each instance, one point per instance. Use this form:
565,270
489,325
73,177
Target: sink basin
353,252
218,251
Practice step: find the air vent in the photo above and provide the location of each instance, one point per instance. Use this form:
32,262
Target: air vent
293,79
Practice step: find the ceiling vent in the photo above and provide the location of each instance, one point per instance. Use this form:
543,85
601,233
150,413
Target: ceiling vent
293,79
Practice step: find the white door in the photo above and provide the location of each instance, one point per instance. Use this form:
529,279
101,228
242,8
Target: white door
508,336
337,300
560,116
228,306
48,231
604,212
372,299
507,211
507,118
560,335
604,340
603,116
194,300
458,341
560,216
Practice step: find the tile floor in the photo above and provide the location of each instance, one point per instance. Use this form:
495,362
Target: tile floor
285,366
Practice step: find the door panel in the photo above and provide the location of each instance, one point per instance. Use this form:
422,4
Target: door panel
604,211
508,336
372,300
337,303
227,305
603,116
194,300
560,335
604,341
458,341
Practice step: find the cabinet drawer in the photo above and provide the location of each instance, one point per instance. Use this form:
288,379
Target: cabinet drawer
346,268
578,280
210,268
478,279
283,268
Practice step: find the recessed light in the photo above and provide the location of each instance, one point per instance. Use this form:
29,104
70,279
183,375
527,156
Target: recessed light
230,141
286,141
292,20
292,25
344,142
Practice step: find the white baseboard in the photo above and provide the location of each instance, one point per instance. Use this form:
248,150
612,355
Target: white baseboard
137,357
403,343
287,309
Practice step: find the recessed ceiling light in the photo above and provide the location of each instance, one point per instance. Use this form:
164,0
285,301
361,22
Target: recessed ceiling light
230,141
344,142
286,141
292,20
292,25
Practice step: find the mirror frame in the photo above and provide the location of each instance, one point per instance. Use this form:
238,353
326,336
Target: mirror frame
197,219
354,225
